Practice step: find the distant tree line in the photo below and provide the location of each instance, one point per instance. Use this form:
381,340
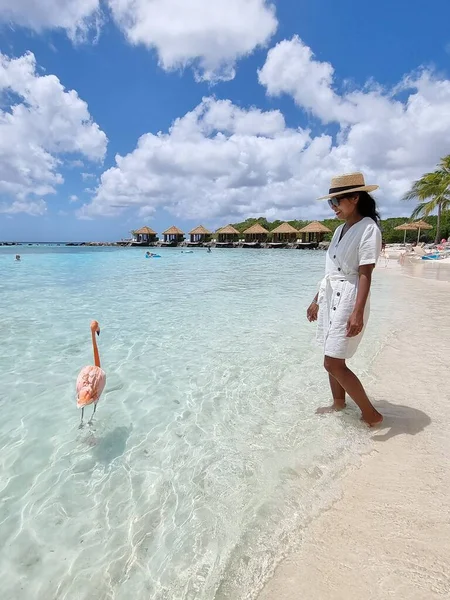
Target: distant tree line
390,236
431,191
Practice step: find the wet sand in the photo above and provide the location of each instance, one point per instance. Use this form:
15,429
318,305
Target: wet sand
389,534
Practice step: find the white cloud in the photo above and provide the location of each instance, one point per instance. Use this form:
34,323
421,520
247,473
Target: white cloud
76,17
215,161
73,198
86,176
33,208
212,35
220,162
292,69
146,211
302,77
393,140
75,164
42,124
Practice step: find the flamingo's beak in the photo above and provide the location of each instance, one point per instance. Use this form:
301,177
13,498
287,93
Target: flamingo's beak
98,331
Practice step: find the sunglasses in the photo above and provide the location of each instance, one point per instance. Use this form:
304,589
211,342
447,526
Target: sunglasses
334,202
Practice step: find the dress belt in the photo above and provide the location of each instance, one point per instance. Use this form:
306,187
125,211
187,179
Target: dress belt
326,281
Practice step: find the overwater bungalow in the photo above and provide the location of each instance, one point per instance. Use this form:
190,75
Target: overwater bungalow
199,236
227,236
173,236
312,235
255,236
283,235
144,237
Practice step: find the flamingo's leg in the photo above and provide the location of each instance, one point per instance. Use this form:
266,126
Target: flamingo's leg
92,416
81,422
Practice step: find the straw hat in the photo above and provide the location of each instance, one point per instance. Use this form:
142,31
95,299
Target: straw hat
349,182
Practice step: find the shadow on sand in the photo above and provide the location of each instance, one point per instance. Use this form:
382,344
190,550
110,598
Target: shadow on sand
399,419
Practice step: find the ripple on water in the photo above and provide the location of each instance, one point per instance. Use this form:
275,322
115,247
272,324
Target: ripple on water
205,459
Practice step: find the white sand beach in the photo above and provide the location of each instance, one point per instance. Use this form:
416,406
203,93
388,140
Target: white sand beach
389,534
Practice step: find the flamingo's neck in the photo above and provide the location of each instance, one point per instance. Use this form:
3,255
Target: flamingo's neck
96,354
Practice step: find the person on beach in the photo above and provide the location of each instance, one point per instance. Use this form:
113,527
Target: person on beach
341,305
384,254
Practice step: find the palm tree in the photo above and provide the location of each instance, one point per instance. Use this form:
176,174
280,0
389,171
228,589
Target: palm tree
436,186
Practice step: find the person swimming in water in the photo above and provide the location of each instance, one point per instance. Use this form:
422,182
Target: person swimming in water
17,256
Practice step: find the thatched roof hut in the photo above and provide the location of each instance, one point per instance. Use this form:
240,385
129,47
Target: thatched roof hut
313,232
145,231
199,235
255,233
144,236
284,233
173,235
227,235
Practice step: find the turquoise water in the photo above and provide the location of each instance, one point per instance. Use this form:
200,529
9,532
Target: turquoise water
205,461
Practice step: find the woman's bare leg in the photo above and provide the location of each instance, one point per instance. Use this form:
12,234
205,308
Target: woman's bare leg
353,387
338,394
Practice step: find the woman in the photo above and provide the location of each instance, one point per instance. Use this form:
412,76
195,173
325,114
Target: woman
342,304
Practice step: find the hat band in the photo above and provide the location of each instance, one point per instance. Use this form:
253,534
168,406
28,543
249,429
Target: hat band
336,190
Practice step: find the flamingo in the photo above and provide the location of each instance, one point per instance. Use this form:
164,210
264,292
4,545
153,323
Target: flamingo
91,379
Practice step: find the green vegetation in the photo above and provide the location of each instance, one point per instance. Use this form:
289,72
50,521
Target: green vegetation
390,236
432,191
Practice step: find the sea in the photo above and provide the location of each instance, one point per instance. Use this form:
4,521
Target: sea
206,461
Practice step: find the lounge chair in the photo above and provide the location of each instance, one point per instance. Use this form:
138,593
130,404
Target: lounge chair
420,251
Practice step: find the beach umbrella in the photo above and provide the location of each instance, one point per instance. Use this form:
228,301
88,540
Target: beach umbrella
421,225
405,227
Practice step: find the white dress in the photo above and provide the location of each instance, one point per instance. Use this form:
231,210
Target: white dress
361,245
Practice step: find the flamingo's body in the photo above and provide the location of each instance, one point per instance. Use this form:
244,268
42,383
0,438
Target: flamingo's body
91,380
90,384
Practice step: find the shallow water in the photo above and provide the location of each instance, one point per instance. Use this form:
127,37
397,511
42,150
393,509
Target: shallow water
205,460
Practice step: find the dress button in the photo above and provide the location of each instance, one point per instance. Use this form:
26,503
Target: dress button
334,308
339,268
334,256
338,294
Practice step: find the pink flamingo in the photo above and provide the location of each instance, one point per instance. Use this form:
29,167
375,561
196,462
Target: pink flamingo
91,380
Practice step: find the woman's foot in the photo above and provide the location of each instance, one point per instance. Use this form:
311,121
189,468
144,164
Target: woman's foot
373,418
336,406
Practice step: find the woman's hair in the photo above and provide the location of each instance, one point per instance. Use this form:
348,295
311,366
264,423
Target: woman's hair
367,207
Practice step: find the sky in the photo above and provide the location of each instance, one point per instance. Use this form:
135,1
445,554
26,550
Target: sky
115,114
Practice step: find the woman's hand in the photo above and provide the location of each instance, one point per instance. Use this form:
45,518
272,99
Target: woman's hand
312,312
355,323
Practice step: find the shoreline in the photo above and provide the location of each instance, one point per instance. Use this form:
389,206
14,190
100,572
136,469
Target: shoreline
184,244
383,537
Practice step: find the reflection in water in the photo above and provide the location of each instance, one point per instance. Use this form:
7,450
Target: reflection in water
428,269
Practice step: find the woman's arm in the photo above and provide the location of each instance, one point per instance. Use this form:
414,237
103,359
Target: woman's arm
356,321
313,309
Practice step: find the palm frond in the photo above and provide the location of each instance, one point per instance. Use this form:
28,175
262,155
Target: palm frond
421,210
432,191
